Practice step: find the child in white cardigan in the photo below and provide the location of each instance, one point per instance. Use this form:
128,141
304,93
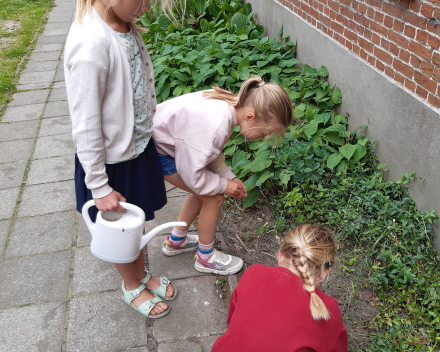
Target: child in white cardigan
111,94
190,132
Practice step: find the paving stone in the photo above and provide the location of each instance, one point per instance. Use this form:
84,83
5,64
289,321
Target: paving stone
60,31
195,295
33,328
9,199
16,150
57,18
54,39
169,186
178,267
23,113
11,174
41,234
52,170
47,198
34,279
59,84
56,126
31,86
54,146
4,229
191,345
138,349
38,66
60,25
49,56
103,322
58,94
84,237
42,48
59,75
18,130
28,98
92,274
177,192
28,76
56,108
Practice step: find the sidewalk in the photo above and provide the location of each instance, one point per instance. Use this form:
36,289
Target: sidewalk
54,294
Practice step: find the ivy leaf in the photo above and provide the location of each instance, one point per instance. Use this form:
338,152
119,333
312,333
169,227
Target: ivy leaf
337,96
243,63
347,151
251,198
333,160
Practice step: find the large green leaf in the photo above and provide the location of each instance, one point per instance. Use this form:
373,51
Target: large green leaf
337,96
263,177
243,63
163,22
288,63
359,153
251,198
333,160
251,182
240,21
347,151
311,129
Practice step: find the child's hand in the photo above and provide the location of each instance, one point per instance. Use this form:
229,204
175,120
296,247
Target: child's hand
110,202
235,189
242,187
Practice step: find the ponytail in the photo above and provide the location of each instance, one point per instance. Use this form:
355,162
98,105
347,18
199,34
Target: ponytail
311,249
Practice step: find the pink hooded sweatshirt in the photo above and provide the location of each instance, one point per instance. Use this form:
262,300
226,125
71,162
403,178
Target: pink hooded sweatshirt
193,130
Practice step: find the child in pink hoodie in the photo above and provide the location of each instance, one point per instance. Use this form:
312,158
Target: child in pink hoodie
190,132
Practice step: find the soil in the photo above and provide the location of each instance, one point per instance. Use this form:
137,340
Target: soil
346,284
10,26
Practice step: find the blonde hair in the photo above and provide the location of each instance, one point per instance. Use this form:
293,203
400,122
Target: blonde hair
269,100
311,249
84,7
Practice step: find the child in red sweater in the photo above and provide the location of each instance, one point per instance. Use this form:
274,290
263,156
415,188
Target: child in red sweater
281,309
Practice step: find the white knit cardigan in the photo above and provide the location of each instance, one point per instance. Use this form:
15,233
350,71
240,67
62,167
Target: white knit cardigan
100,95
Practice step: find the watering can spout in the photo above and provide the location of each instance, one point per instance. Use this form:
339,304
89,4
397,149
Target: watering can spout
147,237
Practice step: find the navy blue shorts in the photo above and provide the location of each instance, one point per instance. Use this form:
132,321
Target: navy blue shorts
168,165
139,180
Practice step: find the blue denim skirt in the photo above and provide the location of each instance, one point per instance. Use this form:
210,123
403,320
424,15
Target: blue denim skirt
139,180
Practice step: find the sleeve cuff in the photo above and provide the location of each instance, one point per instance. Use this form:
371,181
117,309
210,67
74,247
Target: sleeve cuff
228,174
102,191
223,185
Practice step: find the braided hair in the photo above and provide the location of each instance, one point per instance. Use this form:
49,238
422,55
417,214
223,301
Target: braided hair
311,249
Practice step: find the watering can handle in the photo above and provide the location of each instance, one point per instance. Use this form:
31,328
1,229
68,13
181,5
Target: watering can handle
85,213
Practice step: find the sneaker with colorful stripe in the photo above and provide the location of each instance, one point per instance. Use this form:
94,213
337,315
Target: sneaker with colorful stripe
219,263
190,243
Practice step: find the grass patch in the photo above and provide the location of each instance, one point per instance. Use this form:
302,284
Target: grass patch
19,20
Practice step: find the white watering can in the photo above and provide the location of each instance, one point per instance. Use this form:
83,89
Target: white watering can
119,237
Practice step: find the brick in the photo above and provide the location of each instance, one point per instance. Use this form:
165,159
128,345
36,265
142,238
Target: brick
345,11
394,49
434,101
403,68
371,60
415,20
427,68
380,65
345,21
336,36
350,35
415,61
356,49
370,12
385,44
398,39
426,10
366,44
375,39
389,71
363,9
436,74
360,29
423,93
410,31
375,3
436,13
420,50
346,2
388,21
362,20
392,10
415,5
379,17
383,55
410,85
337,27
367,34
341,40
379,28
404,3
364,54
352,25
399,78
425,81
436,59
332,15
431,27
333,5
422,36
405,55
355,5
398,26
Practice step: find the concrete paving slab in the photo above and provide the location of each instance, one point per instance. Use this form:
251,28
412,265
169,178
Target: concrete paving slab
138,349
59,75
178,267
11,174
16,150
60,31
34,279
54,39
28,98
33,328
57,18
42,48
51,170
31,86
4,229
39,66
9,199
60,25
58,94
28,77
169,186
84,237
103,322
50,56
60,84
56,126
56,108
41,234
92,274
47,198
23,113
54,146
18,130
195,295
177,192
194,344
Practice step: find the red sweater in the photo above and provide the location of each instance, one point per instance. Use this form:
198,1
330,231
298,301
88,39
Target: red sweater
270,311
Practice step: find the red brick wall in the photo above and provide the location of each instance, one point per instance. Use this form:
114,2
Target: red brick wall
399,38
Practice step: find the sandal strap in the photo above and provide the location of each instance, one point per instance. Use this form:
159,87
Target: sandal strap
146,278
162,289
146,307
132,294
